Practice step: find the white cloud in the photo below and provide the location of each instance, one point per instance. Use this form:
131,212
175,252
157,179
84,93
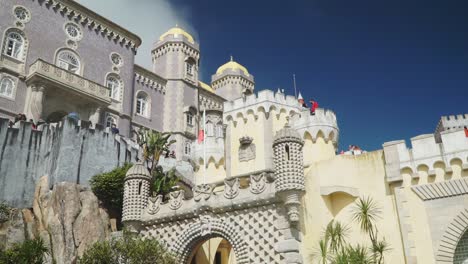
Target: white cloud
146,18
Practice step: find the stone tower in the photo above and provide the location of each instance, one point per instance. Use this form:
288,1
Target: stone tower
232,81
289,170
136,193
176,58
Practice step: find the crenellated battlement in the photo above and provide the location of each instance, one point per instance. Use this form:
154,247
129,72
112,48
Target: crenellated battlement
70,151
265,99
426,154
323,122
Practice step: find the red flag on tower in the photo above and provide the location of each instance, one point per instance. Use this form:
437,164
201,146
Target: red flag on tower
201,136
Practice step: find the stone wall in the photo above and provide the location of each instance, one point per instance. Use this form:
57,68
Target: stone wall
67,152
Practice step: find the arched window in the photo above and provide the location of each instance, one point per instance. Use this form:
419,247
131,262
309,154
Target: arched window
188,148
209,129
142,104
219,130
69,61
6,87
461,252
114,85
14,45
110,121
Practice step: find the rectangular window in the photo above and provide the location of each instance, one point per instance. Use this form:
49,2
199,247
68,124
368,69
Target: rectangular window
189,119
218,258
189,68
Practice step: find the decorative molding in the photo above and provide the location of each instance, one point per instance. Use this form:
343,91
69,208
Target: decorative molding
443,189
150,79
451,237
154,205
175,199
202,191
257,183
86,17
231,188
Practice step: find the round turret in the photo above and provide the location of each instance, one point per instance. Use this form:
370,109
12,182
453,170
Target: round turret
289,170
136,192
232,81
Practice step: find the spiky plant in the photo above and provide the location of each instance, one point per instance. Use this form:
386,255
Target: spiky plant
378,249
336,234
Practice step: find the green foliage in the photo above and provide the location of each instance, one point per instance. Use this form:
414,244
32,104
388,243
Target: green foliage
154,144
5,211
333,247
109,187
127,250
28,252
163,182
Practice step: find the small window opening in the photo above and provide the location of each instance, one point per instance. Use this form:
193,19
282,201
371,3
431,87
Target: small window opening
287,152
140,184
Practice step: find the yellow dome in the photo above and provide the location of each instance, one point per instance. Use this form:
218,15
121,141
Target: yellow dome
233,66
177,31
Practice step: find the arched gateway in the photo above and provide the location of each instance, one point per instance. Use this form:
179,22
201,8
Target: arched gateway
258,214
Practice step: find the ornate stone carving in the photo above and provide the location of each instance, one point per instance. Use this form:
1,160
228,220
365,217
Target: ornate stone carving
205,225
202,191
175,199
154,205
247,149
257,183
231,188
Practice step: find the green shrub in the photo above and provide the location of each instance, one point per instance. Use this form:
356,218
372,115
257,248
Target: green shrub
127,250
109,188
28,252
5,212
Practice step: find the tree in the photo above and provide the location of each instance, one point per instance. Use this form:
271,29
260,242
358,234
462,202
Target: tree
109,188
153,145
28,252
129,249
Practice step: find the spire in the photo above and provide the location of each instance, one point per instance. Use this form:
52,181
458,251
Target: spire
300,96
232,59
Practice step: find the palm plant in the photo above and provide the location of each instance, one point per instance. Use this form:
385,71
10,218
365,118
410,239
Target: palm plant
378,250
365,213
358,255
153,145
322,253
335,234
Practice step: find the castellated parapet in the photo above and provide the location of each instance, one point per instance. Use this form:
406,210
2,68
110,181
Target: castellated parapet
323,122
426,155
450,123
68,151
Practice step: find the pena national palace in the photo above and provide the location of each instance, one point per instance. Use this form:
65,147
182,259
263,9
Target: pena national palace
260,174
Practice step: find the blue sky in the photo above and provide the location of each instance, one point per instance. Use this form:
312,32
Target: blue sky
389,69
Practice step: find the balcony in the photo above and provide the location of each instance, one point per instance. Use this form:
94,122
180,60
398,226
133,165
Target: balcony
44,72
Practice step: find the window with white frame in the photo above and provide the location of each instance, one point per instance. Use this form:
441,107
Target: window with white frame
110,120
189,119
14,45
142,104
219,131
189,68
188,148
69,61
114,84
6,87
209,129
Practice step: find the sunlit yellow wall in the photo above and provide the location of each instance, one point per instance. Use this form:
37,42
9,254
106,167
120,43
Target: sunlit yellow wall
366,174
320,150
215,172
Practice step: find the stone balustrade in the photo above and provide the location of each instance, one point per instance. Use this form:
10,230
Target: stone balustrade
41,71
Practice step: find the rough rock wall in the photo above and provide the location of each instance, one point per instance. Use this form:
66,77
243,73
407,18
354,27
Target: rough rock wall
67,218
69,152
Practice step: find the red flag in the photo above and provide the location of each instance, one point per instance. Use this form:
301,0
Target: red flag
201,136
466,131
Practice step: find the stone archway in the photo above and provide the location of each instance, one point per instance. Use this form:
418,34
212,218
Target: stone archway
451,237
205,229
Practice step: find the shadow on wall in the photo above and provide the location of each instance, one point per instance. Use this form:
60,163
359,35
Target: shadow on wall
336,201
67,152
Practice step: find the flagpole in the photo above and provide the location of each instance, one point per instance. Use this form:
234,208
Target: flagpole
204,146
295,91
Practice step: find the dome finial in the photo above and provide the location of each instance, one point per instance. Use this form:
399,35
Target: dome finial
176,25
232,58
